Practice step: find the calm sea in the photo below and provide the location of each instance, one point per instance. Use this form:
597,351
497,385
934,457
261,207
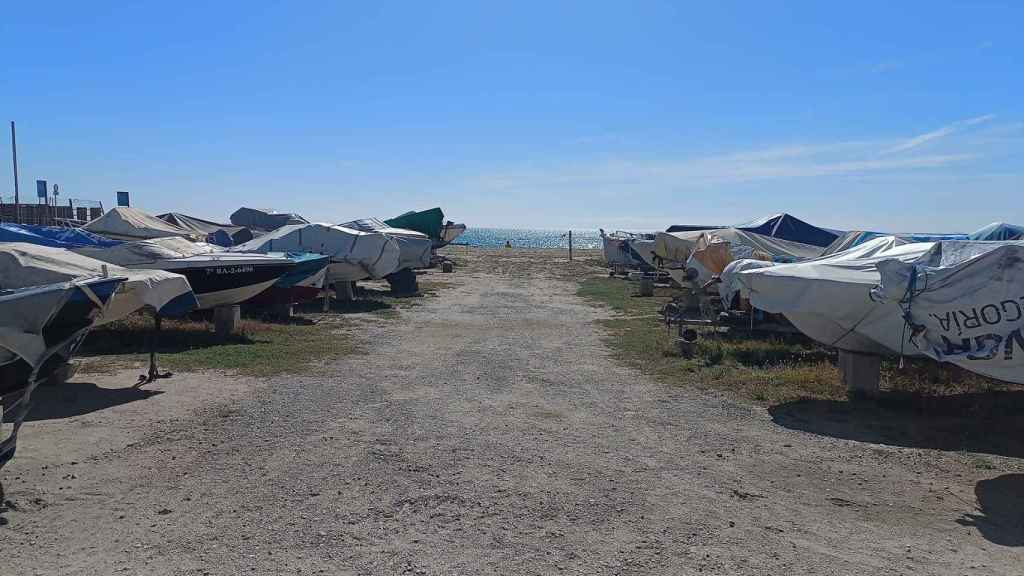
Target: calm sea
521,238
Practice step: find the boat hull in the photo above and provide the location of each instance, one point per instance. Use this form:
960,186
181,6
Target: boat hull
225,285
292,292
41,345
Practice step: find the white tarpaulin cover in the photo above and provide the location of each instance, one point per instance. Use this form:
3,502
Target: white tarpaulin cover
25,313
124,223
415,247
677,246
355,255
142,252
829,298
731,285
618,249
964,302
24,265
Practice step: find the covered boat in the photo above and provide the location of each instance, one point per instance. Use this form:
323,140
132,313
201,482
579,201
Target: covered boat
729,286
40,329
166,293
54,236
415,248
450,233
430,222
998,231
264,219
124,223
962,302
629,249
676,247
854,238
355,255
218,278
212,232
829,298
787,227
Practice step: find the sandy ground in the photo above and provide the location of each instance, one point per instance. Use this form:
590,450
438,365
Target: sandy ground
485,431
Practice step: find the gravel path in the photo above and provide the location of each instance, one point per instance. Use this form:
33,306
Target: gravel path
485,431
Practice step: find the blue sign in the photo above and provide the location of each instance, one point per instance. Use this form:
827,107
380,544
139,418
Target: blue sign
122,199
41,188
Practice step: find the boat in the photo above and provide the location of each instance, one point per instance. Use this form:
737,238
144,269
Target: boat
415,248
262,220
629,249
1000,231
450,233
430,222
787,227
217,277
124,223
302,284
54,236
709,251
354,254
40,330
212,232
961,302
854,238
167,294
829,298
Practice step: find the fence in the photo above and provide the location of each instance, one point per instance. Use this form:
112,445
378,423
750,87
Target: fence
75,212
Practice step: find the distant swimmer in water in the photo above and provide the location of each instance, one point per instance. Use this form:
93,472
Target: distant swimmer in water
508,243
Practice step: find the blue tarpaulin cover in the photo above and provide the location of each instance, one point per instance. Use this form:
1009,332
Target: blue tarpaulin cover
53,236
786,227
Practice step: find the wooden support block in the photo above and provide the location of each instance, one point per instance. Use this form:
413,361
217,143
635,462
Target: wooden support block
226,319
646,286
283,311
403,282
861,373
346,291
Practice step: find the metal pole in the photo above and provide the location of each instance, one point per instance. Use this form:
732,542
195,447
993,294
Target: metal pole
570,245
14,153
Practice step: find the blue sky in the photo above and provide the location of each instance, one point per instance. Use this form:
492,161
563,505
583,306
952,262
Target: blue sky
900,116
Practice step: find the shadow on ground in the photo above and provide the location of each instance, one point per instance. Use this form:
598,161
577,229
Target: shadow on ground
1000,517
358,306
78,398
988,422
130,340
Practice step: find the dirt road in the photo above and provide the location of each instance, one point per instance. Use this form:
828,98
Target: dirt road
485,431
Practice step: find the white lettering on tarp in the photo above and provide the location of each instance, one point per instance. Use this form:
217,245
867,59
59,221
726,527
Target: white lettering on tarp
1006,311
242,269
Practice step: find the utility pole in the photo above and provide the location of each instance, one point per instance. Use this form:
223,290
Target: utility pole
14,152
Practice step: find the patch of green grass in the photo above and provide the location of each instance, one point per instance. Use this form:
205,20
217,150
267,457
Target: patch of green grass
769,370
259,348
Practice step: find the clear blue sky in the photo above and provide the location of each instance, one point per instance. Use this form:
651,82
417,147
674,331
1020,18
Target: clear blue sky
901,116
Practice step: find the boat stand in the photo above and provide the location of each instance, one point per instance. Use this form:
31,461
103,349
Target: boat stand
154,372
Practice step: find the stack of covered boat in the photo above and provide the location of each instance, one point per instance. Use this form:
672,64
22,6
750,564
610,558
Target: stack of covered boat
353,254
777,238
56,284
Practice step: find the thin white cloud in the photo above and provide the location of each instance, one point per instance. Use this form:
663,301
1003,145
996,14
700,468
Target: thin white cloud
779,163
934,135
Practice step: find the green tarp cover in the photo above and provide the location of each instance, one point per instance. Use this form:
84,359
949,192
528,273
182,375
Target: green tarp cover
429,222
